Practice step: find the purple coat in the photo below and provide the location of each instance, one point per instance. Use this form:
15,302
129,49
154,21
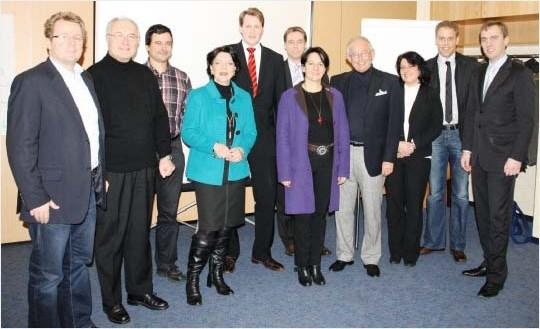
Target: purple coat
292,150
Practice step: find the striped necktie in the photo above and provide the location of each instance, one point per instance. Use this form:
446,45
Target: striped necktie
252,67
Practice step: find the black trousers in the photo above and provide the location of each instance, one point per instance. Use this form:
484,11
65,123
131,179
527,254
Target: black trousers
309,229
122,235
493,199
285,222
405,190
264,182
167,195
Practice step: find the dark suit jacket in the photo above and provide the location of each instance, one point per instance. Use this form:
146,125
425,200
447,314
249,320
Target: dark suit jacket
383,117
500,126
271,84
47,145
465,67
425,121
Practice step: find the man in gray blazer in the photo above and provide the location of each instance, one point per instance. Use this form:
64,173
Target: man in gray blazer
55,150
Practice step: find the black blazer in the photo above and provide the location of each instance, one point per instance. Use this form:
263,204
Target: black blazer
465,68
425,121
500,126
271,83
47,146
384,115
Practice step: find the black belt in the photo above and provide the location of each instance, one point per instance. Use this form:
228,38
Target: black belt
353,143
451,127
320,149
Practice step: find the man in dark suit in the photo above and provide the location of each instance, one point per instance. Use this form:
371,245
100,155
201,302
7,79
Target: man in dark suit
451,75
373,100
55,150
261,74
495,141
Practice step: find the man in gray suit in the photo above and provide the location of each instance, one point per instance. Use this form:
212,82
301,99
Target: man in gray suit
55,150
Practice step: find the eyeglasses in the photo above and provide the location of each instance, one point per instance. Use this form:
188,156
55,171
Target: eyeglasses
66,37
362,54
121,36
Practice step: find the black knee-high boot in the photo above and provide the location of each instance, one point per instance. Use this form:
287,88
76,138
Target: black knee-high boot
201,245
216,263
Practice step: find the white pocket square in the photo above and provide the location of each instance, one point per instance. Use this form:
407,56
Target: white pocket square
381,92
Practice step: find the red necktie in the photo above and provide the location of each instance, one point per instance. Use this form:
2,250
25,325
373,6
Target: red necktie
252,67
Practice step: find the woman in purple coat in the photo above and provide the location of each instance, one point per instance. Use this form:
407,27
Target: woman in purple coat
312,159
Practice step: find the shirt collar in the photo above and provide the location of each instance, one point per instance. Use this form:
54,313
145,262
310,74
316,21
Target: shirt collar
496,65
167,70
257,47
77,69
442,60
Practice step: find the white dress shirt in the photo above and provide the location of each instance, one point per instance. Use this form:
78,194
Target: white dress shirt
296,72
441,64
491,72
257,54
410,97
85,104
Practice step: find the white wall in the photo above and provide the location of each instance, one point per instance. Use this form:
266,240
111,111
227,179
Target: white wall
200,26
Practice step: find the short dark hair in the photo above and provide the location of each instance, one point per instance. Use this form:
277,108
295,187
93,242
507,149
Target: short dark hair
414,59
155,29
223,49
294,29
488,24
319,51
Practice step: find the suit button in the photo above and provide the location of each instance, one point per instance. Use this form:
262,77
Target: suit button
481,112
238,132
479,126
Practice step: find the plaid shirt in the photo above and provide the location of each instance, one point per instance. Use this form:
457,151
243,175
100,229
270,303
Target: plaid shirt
174,85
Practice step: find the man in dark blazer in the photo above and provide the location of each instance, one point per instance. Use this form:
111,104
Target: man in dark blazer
55,151
497,133
261,74
373,100
450,77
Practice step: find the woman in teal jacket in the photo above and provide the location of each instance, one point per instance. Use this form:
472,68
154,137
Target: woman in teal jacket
219,128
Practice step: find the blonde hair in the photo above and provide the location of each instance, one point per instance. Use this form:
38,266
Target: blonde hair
67,16
251,12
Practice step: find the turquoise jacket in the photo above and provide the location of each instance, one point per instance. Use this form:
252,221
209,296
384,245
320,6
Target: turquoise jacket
205,123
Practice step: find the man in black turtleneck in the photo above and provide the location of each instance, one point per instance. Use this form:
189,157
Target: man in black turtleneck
136,129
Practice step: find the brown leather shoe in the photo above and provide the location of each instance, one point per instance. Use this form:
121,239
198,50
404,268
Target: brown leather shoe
289,250
269,263
426,250
230,262
459,256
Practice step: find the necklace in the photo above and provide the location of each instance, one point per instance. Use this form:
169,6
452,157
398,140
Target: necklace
318,109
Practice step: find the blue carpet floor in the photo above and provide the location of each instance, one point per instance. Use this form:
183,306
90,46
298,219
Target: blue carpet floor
432,294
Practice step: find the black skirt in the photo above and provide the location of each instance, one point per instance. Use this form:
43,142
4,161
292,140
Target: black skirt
220,206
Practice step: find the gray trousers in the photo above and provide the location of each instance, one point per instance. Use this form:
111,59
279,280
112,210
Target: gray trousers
371,189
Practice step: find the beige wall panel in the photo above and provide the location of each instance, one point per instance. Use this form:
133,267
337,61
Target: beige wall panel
522,30
30,49
508,8
455,10
326,31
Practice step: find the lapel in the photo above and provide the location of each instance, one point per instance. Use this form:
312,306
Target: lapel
482,76
242,77
87,80
61,89
500,77
459,77
374,84
300,98
416,109
288,75
264,69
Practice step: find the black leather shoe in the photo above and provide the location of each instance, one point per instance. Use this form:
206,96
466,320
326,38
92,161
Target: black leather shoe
339,265
372,270
395,260
118,314
316,275
409,264
173,273
269,263
304,277
325,251
490,290
150,301
476,272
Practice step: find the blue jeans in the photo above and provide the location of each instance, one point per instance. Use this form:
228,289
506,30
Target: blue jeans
59,292
446,148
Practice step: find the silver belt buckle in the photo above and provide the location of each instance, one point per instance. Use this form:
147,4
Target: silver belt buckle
321,150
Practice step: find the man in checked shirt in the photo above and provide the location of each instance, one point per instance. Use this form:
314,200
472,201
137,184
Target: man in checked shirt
174,85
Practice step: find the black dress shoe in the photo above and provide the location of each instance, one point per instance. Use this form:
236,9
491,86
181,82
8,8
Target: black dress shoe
325,251
476,272
490,290
172,273
372,270
395,260
118,314
339,265
316,275
269,263
150,301
304,276
230,263
409,264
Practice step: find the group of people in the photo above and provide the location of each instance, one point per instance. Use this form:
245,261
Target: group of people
90,149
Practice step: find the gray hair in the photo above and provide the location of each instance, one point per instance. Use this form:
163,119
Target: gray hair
360,38
118,19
